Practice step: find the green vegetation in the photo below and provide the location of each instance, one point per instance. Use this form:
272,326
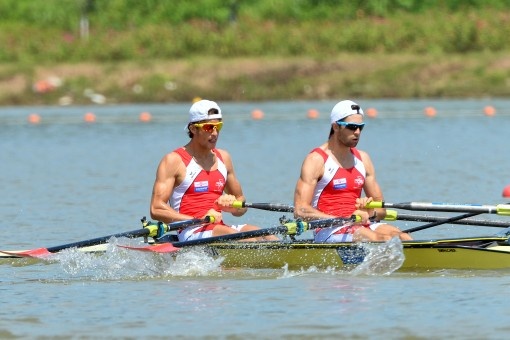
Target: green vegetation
152,50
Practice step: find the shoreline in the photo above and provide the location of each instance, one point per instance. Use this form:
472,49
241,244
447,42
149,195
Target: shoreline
370,76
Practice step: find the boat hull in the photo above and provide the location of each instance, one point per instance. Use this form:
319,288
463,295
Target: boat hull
419,255
463,253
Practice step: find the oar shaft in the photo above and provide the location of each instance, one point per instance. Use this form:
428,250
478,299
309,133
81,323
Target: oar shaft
149,229
100,240
331,222
146,231
467,221
500,209
264,206
289,228
232,237
298,227
433,224
187,223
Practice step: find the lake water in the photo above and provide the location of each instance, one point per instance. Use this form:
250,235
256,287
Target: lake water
64,180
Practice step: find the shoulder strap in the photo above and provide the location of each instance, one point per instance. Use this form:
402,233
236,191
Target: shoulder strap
218,154
186,157
321,152
356,153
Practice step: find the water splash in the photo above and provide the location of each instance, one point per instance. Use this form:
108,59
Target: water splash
308,271
118,263
382,258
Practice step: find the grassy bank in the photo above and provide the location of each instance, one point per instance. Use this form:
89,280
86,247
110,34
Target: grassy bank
255,79
153,51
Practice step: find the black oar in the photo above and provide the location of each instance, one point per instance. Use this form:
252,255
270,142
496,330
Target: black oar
500,209
393,215
150,230
445,221
289,228
264,206
471,209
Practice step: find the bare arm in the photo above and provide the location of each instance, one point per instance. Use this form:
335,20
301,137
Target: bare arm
169,170
371,188
311,172
233,188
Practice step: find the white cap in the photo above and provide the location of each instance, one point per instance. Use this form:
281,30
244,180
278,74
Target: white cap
200,111
343,109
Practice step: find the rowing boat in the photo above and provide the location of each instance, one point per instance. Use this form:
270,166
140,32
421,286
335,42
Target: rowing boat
462,253
490,252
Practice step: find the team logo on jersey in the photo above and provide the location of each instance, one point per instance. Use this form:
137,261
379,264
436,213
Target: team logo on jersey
359,181
339,183
220,184
201,186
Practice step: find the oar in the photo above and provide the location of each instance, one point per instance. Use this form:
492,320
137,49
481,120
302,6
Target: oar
393,215
445,221
264,206
289,228
150,230
500,209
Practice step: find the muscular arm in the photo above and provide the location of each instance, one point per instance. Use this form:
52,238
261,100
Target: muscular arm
311,171
168,172
371,187
232,185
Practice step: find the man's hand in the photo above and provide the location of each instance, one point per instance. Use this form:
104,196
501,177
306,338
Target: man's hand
225,202
363,212
215,214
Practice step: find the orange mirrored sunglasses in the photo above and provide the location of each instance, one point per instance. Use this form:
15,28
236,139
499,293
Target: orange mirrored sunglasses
209,127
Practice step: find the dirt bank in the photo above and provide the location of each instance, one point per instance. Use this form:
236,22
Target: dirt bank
257,79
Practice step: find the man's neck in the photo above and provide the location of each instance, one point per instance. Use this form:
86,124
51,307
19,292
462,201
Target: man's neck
337,148
198,152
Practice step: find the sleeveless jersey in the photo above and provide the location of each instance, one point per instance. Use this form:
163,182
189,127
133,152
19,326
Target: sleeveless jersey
200,188
336,192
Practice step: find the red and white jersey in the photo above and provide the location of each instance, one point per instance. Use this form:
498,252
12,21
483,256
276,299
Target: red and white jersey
336,192
200,188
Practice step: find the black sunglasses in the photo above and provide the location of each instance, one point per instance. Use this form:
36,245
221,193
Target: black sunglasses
352,126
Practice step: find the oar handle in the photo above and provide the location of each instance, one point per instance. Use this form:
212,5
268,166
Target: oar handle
391,215
503,209
264,206
375,204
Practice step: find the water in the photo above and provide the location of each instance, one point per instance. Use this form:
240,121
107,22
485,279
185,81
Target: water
64,180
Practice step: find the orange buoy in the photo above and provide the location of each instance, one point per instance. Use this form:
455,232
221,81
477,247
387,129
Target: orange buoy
196,99
371,112
257,114
313,114
430,111
489,111
89,117
506,191
145,117
34,118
